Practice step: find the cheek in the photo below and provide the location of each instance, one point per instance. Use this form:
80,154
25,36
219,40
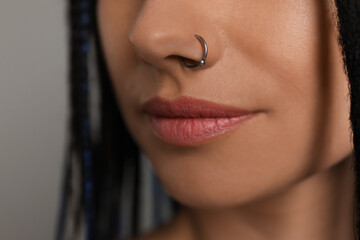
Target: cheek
299,61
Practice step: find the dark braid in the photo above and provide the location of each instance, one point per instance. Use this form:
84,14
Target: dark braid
349,29
119,153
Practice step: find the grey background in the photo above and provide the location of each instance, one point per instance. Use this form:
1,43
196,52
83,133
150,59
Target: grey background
33,108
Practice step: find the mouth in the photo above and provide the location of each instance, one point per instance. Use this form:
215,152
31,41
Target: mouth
188,121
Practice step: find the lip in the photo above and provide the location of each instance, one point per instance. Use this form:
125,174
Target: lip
188,121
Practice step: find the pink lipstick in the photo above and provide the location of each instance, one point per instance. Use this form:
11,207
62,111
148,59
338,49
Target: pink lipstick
188,121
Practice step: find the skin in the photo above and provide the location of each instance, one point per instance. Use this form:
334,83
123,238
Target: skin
283,174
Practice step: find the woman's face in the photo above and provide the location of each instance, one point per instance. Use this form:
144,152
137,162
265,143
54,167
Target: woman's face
279,58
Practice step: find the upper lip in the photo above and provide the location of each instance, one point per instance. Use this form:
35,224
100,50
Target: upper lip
189,107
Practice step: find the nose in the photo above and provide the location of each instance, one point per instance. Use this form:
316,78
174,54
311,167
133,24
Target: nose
164,30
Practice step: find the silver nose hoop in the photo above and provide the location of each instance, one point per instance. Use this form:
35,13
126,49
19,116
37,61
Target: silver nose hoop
202,61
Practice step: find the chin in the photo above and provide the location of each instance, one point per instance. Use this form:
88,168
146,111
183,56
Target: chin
201,193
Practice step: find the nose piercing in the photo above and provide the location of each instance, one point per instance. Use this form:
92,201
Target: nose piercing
202,61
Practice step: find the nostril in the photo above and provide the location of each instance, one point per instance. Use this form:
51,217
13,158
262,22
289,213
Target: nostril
183,60
188,61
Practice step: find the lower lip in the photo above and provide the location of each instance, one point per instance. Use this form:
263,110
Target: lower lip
193,131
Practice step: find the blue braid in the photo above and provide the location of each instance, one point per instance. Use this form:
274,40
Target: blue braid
81,29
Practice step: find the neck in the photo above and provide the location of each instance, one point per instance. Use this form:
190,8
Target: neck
320,207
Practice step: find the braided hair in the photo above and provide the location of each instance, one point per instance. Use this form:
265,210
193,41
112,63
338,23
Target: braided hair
102,161
349,29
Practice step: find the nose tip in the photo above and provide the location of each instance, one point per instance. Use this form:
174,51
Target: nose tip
164,41
163,48
153,47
